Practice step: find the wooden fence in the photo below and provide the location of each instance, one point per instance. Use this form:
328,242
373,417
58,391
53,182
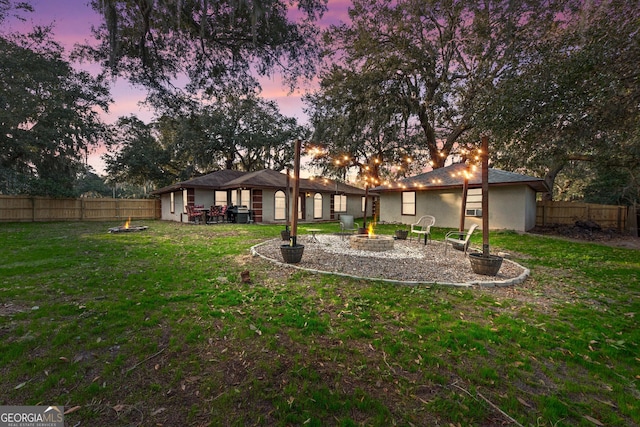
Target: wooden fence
36,209
551,212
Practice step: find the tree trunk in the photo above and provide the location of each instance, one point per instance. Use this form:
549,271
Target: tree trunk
550,178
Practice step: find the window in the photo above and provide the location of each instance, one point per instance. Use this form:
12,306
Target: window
172,202
363,203
184,201
245,198
317,206
220,198
280,206
300,212
340,203
474,202
409,203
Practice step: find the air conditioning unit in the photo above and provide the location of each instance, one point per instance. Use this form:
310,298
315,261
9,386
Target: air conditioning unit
474,212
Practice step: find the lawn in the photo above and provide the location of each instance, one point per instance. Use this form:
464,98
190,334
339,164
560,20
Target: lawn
156,328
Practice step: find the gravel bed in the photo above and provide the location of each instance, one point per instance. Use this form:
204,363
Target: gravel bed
409,261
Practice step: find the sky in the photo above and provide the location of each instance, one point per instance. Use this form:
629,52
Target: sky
72,20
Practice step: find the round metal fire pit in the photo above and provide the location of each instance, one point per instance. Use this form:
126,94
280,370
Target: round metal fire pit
364,242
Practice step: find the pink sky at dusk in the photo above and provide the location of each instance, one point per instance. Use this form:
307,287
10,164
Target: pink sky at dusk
72,20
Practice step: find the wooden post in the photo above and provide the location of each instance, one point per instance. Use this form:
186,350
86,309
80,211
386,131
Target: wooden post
485,196
463,211
296,190
366,202
287,197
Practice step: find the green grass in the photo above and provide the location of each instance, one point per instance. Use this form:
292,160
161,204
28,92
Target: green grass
156,328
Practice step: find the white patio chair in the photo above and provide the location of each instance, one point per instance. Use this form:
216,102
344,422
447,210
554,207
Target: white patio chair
460,241
423,227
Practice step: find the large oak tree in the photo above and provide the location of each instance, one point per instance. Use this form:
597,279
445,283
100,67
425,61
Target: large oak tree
48,115
205,46
416,69
571,114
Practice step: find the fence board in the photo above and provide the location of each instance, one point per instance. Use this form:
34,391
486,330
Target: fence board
607,216
33,209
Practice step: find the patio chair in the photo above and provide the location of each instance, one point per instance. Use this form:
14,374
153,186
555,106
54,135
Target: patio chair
347,225
214,213
223,213
460,241
192,214
423,227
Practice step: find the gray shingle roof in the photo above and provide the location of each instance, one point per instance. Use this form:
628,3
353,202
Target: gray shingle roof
451,176
230,179
211,180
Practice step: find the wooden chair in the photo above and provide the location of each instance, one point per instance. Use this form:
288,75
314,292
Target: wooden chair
460,241
423,227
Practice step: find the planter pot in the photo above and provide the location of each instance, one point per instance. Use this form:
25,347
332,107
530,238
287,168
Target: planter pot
292,254
486,265
286,235
402,234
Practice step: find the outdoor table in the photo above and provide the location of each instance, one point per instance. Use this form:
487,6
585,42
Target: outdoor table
313,232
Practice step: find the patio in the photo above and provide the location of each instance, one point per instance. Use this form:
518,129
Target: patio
409,262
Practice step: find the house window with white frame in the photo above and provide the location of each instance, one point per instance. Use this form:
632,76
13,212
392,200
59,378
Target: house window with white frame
408,203
340,203
317,206
474,202
280,206
184,200
245,198
172,202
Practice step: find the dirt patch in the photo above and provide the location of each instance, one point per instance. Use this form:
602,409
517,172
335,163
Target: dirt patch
589,231
9,309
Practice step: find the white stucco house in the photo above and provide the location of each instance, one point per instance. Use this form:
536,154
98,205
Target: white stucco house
263,194
512,198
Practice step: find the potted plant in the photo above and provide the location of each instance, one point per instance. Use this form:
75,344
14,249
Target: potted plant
401,233
285,234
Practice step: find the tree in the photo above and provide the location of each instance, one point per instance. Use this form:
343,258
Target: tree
48,115
139,158
214,44
237,132
575,102
240,131
91,185
426,63
13,9
354,129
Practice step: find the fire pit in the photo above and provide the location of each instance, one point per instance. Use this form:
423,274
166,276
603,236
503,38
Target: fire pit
127,228
372,243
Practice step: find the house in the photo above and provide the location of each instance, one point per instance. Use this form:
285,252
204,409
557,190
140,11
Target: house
512,198
263,193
